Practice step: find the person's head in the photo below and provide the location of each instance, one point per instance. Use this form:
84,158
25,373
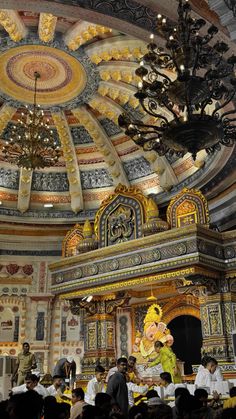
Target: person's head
31,381
102,399
205,359
152,404
138,412
77,395
57,381
122,365
131,362
187,404
163,411
50,406
25,347
69,359
165,379
181,390
202,395
151,394
158,345
63,411
100,373
91,412
232,392
211,365
27,405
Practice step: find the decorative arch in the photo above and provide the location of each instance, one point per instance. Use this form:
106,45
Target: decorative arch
182,305
188,207
121,216
71,240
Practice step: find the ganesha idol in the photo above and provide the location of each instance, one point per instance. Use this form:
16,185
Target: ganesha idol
148,360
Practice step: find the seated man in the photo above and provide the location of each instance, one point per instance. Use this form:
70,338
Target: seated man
55,388
166,383
96,385
204,376
31,383
134,388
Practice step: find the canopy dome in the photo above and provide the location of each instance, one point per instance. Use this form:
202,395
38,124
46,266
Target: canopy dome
86,57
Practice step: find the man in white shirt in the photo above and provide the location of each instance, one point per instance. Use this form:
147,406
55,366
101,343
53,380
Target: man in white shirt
55,388
31,383
96,385
204,376
134,388
167,385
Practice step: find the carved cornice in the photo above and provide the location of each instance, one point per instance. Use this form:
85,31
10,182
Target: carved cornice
135,245
121,285
196,246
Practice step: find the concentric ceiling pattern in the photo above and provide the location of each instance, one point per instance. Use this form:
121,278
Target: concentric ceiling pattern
87,79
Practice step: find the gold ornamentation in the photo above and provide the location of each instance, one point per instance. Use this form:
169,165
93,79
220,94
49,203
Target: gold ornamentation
47,26
88,243
154,314
123,284
13,24
82,32
192,208
6,113
71,240
131,192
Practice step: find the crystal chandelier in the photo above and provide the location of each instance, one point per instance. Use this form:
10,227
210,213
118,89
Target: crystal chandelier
31,143
184,90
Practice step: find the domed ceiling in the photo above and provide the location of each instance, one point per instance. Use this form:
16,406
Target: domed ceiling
86,57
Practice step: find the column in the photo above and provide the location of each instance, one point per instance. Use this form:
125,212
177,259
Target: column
218,317
99,331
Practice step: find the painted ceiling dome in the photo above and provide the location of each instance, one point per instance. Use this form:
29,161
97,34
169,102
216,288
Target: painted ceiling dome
86,53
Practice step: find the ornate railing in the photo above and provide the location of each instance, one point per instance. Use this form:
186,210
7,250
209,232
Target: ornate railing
231,4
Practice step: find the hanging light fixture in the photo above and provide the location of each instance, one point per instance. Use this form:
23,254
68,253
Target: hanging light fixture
31,143
184,90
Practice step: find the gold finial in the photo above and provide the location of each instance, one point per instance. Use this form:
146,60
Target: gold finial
87,229
152,210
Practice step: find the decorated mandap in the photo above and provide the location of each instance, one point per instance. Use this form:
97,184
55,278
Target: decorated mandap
133,275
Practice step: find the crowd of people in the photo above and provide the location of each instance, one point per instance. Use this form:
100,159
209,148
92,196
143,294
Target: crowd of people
120,394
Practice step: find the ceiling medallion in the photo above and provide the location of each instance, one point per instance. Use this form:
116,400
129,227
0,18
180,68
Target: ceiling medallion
31,144
194,100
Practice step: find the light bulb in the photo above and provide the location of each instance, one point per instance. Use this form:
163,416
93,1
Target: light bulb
152,36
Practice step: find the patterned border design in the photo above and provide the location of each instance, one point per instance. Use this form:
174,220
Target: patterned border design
132,260
127,10
91,70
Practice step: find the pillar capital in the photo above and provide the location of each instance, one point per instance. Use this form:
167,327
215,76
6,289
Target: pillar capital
100,305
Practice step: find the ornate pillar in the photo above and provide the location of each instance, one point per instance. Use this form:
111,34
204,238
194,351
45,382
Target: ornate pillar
218,312
217,301
99,330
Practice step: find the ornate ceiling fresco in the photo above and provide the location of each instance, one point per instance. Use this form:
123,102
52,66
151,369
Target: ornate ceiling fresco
86,53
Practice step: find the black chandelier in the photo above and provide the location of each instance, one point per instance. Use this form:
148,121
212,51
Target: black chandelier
31,143
185,90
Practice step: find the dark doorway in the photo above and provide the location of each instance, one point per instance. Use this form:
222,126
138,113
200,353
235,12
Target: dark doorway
187,334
